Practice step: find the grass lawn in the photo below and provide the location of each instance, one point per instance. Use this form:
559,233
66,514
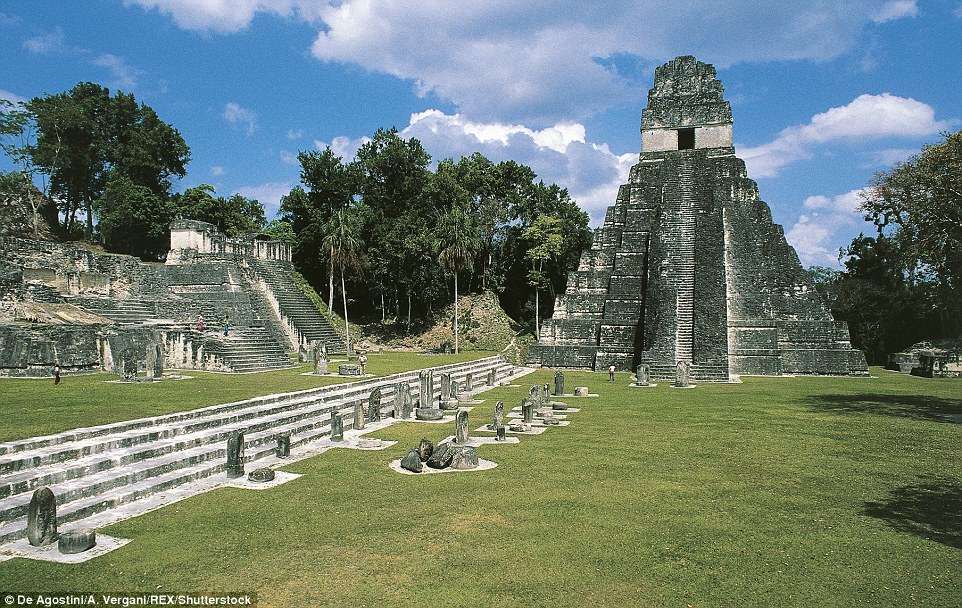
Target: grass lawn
775,492
34,407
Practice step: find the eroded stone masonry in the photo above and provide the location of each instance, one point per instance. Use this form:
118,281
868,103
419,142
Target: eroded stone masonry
85,311
688,266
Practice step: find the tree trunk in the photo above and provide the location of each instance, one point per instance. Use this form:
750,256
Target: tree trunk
347,326
409,309
330,299
89,230
455,313
382,305
537,319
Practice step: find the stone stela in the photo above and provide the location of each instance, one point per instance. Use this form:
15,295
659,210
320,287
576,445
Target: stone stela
688,266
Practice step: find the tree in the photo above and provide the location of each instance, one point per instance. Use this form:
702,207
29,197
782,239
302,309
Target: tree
544,237
133,219
917,206
17,132
345,246
331,185
456,232
85,136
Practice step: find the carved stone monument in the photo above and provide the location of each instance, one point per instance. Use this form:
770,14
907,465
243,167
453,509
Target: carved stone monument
235,455
426,388
688,265
468,382
358,415
319,357
527,410
402,400
498,424
559,383
42,517
337,427
283,449
642,375
492,377
448,391
461,427
374,406
681,375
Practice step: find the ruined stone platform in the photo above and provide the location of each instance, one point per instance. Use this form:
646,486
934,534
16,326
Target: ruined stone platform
120,470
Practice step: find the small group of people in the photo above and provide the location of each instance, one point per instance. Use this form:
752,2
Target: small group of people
225,323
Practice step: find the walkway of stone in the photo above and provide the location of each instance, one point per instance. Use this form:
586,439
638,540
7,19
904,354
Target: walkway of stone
104,474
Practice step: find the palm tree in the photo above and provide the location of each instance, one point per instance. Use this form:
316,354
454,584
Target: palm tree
457,246
344,243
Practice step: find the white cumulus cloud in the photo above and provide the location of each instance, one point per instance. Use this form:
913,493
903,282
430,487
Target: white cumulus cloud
540,62
269,194
866,117
125,75
45,44
226,16
896,9
238,116
825,222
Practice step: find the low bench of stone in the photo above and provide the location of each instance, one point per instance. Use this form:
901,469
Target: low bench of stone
349,369
155,461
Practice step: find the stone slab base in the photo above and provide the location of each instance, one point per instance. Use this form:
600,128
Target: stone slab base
49,553
535,430
633,385
557,413
479,441
483,465
242,482
673,386
515,415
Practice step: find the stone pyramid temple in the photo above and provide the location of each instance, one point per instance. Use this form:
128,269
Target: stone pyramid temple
688,266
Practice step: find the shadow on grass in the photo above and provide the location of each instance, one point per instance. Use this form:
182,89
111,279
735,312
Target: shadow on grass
931,509
919,407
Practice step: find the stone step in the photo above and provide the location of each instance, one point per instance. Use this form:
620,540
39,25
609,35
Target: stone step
92,470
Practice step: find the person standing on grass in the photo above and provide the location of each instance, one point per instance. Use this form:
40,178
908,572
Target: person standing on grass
611,373
55,372
363,361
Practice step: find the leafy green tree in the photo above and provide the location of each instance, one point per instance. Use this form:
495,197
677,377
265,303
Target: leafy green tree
917,207
331,186
393,175
457,232
281,231
17,134
545,242
86,137
133,219
346,249
234,215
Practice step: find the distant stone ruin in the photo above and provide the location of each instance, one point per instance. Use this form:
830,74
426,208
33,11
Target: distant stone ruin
688,266
86,311
936,359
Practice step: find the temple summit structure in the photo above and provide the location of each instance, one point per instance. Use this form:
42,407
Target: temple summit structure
688,266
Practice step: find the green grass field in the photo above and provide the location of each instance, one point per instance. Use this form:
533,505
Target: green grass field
775,492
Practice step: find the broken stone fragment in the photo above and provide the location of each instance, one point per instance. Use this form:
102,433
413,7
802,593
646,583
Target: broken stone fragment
261,475
441,458
412,461
464,457
428,413
76,541
425,449
581,391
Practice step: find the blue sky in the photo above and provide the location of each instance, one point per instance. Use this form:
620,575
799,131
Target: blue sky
824,93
